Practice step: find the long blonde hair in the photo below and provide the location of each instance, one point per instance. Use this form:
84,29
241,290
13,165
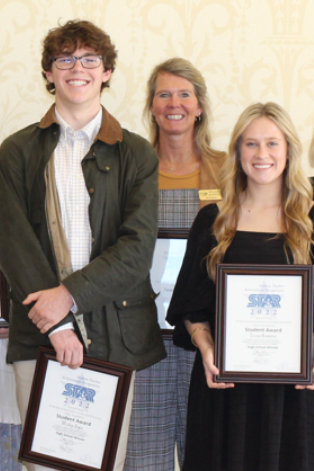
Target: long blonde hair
182,68
311,152
297,193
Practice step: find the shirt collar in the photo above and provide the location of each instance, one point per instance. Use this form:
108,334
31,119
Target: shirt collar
90,130
110,130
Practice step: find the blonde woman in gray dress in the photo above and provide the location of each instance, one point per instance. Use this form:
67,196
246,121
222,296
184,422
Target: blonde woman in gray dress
178,114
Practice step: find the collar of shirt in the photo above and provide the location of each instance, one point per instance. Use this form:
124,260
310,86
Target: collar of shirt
89,131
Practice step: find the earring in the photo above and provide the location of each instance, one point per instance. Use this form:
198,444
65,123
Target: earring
198,118
153,119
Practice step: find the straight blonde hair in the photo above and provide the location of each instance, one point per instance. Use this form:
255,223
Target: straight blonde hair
182,68
297,192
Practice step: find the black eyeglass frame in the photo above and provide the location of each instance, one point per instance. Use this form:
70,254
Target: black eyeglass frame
76,58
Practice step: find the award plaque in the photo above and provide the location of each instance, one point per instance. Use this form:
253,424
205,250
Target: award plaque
168,256
264,323
74,416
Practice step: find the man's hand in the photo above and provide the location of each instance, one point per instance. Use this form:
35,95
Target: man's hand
68,348
51,306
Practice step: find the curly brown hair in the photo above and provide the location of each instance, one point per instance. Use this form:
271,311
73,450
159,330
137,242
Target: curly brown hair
70,37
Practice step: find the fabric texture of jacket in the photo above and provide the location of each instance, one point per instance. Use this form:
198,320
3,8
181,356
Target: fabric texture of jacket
113,291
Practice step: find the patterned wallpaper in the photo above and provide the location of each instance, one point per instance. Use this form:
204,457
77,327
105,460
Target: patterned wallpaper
247,50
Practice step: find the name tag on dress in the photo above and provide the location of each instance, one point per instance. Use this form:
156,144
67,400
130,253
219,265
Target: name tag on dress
207,195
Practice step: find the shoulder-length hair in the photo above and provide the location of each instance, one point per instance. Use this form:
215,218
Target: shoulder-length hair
297,193
181,68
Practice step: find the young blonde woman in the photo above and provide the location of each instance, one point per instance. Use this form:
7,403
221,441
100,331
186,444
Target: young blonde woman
178,113
266,217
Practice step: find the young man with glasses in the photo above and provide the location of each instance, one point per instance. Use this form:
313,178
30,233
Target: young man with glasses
78,222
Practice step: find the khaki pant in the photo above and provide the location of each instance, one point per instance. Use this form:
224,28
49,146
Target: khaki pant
24,372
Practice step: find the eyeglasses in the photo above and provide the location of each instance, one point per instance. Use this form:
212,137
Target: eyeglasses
68,62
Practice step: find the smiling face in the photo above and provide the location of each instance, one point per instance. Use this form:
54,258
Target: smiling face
263,151
78,87
175,105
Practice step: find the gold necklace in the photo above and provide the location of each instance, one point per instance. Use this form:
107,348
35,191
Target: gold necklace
173,169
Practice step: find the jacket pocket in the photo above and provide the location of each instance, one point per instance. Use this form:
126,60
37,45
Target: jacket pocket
138,324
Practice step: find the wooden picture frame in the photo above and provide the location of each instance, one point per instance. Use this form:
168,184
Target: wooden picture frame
264,323
74,417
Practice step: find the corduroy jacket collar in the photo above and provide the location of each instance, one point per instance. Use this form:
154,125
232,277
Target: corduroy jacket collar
110,130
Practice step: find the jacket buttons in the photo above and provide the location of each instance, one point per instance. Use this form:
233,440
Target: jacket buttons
89,341
93,239
107,168
125,303
91,190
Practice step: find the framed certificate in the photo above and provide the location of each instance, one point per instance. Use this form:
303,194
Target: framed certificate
264,323
168,256
74,417
4,301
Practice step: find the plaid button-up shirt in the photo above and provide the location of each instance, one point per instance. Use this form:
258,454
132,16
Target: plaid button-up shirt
73,195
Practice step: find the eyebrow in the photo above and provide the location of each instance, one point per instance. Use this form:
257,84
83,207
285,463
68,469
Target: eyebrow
67,54
169,90
268,138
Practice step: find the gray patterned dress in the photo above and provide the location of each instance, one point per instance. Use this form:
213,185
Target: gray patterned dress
161,391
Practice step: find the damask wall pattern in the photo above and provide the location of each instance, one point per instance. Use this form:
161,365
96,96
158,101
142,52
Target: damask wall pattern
247,50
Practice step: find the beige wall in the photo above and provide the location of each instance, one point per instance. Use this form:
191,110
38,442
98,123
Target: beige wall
248,51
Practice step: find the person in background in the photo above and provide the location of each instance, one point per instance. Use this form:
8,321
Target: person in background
79,200
178,113
266,217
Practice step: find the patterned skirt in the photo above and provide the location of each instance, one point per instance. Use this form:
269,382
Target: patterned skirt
159,413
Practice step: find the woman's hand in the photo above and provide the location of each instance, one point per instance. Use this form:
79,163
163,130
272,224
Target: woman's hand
211,369
203,339
309,386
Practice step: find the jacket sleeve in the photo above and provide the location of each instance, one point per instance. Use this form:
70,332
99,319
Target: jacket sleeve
125,264
21,257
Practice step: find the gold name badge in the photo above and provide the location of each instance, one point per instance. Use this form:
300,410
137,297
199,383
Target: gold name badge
207,195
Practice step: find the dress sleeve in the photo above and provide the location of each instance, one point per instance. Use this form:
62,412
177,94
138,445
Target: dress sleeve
194,293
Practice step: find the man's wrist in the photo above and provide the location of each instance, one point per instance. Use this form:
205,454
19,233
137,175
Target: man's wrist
68,325
74,308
